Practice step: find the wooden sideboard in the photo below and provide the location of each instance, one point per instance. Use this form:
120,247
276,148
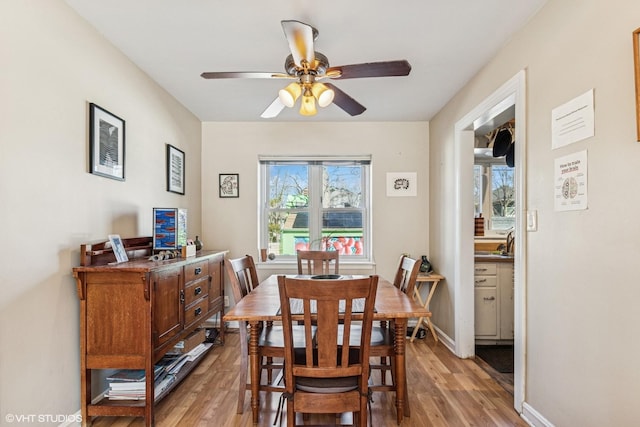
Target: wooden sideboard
132,313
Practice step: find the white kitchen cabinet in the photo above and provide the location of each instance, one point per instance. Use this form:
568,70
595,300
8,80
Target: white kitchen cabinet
493,283
486,312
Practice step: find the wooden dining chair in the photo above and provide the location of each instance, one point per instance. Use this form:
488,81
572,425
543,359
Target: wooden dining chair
243,277
329,376
318,262
382,337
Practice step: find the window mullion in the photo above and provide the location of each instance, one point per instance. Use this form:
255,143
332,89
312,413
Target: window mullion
315,204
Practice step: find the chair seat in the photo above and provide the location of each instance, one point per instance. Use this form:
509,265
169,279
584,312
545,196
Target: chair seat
273,336
326,385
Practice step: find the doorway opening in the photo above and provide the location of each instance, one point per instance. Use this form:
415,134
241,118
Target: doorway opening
509,97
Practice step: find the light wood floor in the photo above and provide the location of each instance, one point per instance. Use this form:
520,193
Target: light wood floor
444,391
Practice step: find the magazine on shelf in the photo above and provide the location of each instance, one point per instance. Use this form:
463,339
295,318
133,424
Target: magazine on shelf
127,375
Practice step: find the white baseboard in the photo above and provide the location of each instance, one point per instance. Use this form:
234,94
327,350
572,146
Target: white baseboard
446,340
533,417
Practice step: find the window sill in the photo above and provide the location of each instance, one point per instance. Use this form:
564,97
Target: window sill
293,265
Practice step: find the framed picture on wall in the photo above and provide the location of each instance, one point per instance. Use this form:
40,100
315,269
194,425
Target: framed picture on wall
402,184
229,185
636,63
175,170
106,143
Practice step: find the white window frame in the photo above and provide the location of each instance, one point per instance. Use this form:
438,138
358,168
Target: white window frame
485,171
315,208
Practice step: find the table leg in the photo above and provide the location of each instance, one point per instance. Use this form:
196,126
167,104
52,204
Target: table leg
254,332
402,403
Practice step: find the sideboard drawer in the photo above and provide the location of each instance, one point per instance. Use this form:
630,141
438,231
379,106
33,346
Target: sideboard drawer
196,311
195,271
196,290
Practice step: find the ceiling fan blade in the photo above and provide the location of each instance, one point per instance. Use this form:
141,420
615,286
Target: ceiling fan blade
300,37
371,69
347,103
244,75
273,110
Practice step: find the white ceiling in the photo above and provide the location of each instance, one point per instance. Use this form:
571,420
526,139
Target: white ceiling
446,43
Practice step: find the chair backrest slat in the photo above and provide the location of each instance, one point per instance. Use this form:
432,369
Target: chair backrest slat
318,262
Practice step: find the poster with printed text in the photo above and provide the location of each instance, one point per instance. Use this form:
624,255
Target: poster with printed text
571,182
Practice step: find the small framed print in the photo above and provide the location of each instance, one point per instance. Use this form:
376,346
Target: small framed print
175,170
229,185
636,63
118,248
402,184
106,143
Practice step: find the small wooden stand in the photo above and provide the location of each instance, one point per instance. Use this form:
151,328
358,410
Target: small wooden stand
422,278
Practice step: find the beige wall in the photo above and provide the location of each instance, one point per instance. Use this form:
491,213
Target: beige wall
582,281
399,223
52,64
581,302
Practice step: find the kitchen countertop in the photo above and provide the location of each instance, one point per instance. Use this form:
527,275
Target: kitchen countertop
490,257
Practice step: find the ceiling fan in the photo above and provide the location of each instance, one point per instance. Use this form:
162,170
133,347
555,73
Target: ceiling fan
308,68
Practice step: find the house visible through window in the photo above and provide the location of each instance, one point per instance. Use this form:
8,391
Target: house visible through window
315,204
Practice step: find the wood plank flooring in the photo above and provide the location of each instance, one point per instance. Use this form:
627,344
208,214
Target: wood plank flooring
443,391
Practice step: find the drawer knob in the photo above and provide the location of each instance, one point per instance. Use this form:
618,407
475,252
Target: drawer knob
197,271
481,281
198,311
489,298
197,291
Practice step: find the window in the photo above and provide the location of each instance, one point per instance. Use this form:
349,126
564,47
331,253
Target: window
496,201
315,204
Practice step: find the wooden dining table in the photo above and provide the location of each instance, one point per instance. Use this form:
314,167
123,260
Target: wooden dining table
263,304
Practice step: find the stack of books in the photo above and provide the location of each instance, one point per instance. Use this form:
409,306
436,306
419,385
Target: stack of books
127,384
130,384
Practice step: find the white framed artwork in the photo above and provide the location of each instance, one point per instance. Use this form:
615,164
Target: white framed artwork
402,184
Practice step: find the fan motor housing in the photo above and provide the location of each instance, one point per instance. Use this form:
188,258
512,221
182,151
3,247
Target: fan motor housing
319,67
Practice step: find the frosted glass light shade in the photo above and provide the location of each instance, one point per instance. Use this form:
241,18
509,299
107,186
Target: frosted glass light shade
290,94
323,94
308,105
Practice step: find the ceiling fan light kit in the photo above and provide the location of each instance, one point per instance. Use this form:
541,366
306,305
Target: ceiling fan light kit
308,104
307,67
323,94
290,94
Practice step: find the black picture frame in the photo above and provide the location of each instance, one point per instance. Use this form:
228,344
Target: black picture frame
106,143
229,185
175,170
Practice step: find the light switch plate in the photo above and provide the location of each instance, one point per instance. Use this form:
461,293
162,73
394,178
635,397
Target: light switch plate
532,220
